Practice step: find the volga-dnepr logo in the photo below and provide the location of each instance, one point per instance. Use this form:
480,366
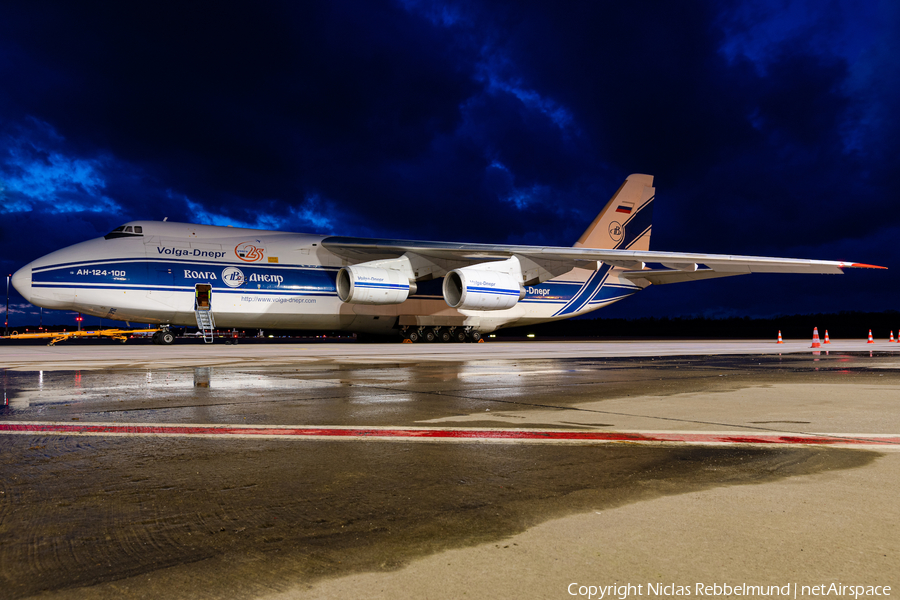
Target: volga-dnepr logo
233,277
250,251
616,231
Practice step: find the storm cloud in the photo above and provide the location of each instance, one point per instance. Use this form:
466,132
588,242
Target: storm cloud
770,128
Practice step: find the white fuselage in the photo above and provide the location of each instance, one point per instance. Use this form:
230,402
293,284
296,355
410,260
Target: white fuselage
264,279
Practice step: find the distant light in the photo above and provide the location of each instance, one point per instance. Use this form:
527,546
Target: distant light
492,335
271,336
531,335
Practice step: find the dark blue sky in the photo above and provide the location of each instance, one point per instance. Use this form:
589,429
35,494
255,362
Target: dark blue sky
771,128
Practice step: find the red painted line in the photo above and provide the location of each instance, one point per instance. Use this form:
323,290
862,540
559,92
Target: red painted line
544,435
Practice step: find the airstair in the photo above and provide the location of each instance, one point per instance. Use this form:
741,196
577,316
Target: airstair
205,324
203,311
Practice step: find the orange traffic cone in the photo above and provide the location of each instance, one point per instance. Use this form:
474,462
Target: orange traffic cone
780,341
871,341
816,343
827,341
892,336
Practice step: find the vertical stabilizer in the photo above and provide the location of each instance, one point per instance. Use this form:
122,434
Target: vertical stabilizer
625,221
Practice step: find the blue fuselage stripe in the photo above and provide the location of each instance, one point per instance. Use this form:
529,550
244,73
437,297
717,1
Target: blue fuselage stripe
174,275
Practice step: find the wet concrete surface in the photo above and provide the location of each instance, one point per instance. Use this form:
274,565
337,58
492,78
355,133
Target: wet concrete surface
139,354
143,517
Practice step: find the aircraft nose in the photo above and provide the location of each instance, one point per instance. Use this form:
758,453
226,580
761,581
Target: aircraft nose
21,280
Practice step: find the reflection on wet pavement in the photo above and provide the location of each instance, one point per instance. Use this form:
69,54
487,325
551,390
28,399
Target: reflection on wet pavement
194,517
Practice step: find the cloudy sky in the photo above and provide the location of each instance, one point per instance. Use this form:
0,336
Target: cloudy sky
772,128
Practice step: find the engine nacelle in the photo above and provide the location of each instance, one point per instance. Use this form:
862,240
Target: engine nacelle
370,285
481,290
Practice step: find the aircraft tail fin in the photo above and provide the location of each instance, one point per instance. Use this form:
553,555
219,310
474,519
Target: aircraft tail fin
625,221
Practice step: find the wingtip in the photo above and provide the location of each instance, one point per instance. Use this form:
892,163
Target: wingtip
865,266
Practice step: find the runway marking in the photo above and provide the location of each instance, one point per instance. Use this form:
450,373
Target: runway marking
890,442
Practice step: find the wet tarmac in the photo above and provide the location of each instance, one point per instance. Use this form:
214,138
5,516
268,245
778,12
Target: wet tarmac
141,354
196,516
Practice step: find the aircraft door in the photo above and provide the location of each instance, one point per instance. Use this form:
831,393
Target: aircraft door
203,296
163,286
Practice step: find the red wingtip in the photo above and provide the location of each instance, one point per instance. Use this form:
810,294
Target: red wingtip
864,266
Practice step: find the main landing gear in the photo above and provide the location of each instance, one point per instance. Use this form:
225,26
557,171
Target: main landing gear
163,337
440,334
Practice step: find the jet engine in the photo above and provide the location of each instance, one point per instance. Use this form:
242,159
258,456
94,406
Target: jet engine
371,285
474,289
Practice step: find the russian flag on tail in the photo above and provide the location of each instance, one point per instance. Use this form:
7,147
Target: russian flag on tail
625,207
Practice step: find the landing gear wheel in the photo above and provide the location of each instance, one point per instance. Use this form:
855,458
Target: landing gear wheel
155,338
428,335
474,336
459,335
166,338
445,336
413,336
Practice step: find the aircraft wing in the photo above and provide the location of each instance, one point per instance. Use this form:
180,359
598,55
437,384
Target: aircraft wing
676,266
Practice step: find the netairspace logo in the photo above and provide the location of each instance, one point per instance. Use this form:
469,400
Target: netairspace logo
790,590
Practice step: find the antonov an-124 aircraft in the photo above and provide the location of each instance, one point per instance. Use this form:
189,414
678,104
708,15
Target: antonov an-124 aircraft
183,274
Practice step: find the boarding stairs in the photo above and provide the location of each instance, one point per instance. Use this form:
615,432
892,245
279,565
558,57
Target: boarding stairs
205,324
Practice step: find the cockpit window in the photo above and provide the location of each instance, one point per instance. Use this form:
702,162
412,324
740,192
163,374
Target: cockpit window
125,231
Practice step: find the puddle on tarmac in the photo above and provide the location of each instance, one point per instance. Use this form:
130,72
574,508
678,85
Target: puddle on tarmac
186,517
209,518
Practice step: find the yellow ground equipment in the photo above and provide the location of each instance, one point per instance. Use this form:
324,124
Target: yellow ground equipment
58,336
